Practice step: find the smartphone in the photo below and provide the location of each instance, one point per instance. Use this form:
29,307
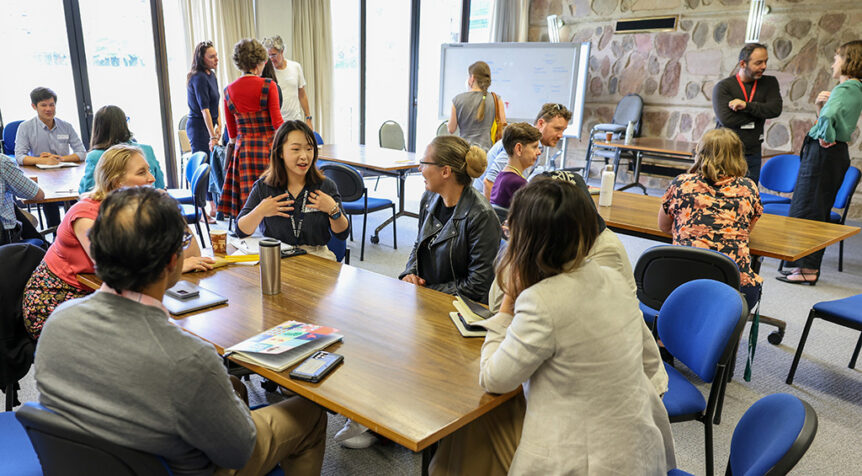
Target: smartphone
470,327
293,251
183,290
314,368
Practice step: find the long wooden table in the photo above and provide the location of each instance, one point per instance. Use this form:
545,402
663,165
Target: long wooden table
774,236
656,148
395,163
59,185
407,374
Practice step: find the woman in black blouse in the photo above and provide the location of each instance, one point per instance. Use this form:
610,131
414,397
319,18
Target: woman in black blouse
292,201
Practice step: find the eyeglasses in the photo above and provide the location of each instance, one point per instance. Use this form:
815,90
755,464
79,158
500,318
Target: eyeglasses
187,240
559,107
421,162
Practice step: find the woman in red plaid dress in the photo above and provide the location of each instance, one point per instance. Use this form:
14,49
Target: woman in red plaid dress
252,116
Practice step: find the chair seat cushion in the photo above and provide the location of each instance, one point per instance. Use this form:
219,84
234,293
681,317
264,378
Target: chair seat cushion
784,210
847,309
374,204
768,198
682,397
181,195
678,472
17,455
188,211
649,313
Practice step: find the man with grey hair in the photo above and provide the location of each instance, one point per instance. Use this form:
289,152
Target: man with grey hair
291,80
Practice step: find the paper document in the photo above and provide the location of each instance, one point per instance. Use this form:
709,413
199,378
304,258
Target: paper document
57,166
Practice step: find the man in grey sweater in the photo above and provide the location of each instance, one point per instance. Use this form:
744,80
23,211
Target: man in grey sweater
113,364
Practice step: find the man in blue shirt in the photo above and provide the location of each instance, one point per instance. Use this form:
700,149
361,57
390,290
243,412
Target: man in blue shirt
47,140
551,121
13,184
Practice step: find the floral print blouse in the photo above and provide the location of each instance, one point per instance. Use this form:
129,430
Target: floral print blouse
715,216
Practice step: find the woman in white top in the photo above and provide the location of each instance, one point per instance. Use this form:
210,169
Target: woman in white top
569,330
291,80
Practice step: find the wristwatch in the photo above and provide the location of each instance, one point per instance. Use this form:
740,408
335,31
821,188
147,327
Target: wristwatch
307,118
335,213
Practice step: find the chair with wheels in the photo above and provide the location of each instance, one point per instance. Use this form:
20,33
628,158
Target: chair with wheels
700,325
194,212
18,260
10,131
845,312
842,202
630,108
771,437
779,174
355,199
185,195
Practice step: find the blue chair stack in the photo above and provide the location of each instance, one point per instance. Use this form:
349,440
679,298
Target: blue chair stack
194,212
187,196
779,174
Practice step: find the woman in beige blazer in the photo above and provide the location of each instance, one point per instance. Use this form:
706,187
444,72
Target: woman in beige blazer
569,330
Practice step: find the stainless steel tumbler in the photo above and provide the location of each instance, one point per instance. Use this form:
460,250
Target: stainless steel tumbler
270,266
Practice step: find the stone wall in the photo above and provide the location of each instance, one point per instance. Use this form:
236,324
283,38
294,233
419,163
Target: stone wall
675,71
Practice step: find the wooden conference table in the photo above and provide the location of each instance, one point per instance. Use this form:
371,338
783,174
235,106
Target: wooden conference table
407,373
59,185
391,162
656,148
774,236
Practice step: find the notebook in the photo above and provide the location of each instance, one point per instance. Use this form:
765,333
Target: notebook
204,299
459,324
57,166
284,345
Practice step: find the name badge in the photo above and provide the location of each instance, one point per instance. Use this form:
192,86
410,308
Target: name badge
63,136
750,125
308,209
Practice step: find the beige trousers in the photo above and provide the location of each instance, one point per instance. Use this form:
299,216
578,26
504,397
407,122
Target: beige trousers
319,250
290,433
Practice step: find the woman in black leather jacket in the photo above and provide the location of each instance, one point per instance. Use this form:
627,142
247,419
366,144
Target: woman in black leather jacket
459,233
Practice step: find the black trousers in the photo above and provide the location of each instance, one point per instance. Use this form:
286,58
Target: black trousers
754,161
821,172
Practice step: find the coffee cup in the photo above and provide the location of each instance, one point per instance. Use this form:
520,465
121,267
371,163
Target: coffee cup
218,238
609,136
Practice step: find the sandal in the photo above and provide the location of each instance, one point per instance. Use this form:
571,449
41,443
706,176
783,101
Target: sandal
804,280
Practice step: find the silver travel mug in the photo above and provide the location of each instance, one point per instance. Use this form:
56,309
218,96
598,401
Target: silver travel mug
270,266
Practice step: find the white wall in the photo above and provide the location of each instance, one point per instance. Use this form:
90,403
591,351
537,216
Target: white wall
275,17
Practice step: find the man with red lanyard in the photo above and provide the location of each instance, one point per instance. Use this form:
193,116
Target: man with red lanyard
745,101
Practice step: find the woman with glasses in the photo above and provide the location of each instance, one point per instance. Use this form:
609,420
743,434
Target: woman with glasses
204,122
55,280
474,111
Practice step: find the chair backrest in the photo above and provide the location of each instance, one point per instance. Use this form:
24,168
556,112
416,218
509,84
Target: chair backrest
65,448
183,140
779,173
9,132
200,183
663,268
318,138
443,129
195,161
848,187
630,108
347,179
338,247
772,436
502,213
700,323
183,121
391,136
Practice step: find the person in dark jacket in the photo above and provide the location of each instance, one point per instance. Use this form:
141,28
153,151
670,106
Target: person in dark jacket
459,233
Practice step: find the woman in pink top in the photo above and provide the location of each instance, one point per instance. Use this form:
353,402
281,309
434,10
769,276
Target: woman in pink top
55,280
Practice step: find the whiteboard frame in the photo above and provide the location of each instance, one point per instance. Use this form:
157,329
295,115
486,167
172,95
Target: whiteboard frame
577,95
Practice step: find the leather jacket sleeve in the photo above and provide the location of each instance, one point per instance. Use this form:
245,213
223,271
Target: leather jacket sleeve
410,268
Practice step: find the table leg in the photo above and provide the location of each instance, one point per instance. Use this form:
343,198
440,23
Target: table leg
776,336
402,181
638,157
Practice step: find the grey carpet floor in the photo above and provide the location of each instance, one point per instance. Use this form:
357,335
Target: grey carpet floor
822,379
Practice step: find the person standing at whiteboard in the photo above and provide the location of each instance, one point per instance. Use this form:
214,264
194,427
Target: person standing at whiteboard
473,112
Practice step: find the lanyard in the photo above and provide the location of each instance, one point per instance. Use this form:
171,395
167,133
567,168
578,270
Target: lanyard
742,86
520,174
301,208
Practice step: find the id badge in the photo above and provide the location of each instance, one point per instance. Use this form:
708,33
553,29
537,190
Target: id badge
63,137
308,209
750,125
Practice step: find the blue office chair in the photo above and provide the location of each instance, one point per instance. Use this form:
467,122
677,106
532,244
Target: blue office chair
10,131
185,195
318,138
779,174
17,455
355,199
700,325
842,202
845,312
340,249
771,437
193,213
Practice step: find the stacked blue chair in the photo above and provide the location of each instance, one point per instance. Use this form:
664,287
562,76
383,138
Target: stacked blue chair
194,212
187,196
842,202
779,174
700,325
771,437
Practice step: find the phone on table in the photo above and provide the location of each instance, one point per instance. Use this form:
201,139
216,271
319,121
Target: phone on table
470,327
292,251
183,290
314,368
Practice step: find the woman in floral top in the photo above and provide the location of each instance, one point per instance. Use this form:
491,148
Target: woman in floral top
715,206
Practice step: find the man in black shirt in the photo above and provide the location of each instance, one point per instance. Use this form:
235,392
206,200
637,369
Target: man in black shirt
745,101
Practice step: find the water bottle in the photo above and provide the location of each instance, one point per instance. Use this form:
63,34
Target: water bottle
270,266
606,192
630,132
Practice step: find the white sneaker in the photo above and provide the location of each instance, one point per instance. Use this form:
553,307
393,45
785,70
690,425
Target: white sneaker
354,435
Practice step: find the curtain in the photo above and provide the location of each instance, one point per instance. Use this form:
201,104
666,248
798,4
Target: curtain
312,48
224,22
510,20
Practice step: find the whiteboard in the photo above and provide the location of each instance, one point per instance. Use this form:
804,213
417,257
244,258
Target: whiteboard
524,75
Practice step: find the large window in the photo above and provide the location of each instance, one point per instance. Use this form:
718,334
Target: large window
345,74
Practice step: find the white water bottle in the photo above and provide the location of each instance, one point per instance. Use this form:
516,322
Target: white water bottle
606,192
630,132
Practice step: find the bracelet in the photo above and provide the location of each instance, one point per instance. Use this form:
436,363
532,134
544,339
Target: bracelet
307,118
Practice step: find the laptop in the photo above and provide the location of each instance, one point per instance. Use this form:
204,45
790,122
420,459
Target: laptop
199,298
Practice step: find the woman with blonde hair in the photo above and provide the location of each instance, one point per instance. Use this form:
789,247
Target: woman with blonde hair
825,157
55,280
715,206
473,112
